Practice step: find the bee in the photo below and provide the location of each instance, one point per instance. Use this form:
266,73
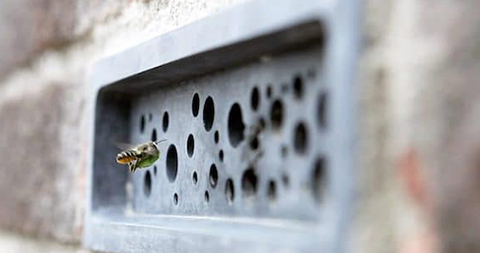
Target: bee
141,156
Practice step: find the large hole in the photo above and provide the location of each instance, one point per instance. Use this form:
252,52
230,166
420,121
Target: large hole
322,110
319,184
272,191
165,122
276,114
229,191
255,99
208,113
172,163
301,138
298,86
249,183
142,124
154,135
147,184
190,145
195,104
235,125
213,175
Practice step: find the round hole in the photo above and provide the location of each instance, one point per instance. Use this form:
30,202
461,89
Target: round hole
142,124
190,145
272,191
220,155
249,183
208,113
254,143
322,110
213,175
216,137
276,114
229,191
235,125
175,199
165,121
195,177
147,184
269,91
207,196
154,135
298,86
255,99
172,163
318,177
195,104
155,170
301,139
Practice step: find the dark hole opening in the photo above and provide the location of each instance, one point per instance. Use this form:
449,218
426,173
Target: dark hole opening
298,86
254,143
190,145
269,91
195,177
165,122
207,196
216,137
195,104
155,170
175,199
301,138
172,163
147,185
235,125
276,114
154,135
229,191
322,110
255,99
208,113
319,181
220,155
213,175
142,124
249,183
272,191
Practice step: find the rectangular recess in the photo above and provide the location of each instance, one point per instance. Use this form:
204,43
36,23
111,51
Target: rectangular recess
294,137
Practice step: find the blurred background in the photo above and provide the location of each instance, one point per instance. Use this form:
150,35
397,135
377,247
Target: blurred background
418,103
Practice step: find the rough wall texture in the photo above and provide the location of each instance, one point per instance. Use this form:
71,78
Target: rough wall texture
48,48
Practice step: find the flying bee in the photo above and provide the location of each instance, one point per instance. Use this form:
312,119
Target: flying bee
141,156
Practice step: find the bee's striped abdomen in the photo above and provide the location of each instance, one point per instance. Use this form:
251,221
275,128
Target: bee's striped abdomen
126,156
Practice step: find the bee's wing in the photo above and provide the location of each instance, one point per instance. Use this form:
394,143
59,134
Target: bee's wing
124,146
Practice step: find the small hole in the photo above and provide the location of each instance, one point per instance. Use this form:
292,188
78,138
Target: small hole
319,183
154,135
301,140
249,183
190,145
276,114
254,143
255,99
272,191
235,125
195,104
207,197
216,137
229,191
298,86
195,177
269,91
172,163
175,199
285,180
147,185
150,117
155,170
208,113
262,123
165,122
213,175
284,151
142,124
322,110
220,155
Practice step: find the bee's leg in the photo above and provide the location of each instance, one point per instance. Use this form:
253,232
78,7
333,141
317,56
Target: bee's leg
132,166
